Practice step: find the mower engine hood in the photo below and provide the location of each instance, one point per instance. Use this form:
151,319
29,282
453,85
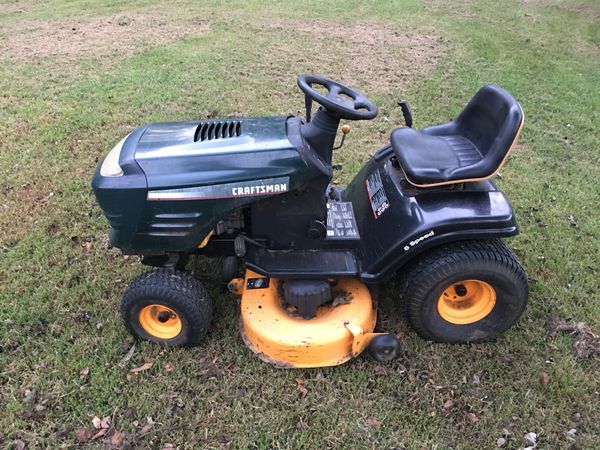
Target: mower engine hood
179,178
204,152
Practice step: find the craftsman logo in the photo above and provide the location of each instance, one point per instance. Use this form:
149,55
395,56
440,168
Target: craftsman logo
418,240
258,190
254,188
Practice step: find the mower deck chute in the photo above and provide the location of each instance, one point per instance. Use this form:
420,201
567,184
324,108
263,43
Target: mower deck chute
278,334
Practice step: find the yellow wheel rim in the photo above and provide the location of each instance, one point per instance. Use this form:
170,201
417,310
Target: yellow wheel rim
466,302
160,322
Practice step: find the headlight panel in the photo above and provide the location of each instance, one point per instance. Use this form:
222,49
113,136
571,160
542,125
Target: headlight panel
110,166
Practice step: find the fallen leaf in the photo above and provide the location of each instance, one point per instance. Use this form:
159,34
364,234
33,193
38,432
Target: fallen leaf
543,377
83,373
18,444
472,417
448,404
100,433
168,446
83,434
141,368
117,439
149,424
372,422
97,421
380,371
299,381
169,367
127,357
103,423
501,442
302,391
320,376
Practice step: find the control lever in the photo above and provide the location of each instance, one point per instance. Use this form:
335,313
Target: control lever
405,107
345,130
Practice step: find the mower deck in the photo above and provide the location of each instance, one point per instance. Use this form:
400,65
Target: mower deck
278,334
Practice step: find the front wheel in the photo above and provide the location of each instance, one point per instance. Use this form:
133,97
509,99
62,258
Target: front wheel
168,307
467,291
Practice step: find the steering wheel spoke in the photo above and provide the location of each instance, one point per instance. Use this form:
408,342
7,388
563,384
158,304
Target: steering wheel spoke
360,103
334,90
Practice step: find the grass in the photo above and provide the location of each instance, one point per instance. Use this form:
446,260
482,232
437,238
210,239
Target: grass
60,285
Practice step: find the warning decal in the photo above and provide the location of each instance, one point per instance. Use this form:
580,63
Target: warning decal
341,223
377,197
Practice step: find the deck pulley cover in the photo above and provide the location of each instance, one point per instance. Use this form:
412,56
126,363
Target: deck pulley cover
307,295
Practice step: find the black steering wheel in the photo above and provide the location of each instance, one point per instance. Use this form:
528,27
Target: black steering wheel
340,99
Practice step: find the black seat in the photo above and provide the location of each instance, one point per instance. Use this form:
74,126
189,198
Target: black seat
472,147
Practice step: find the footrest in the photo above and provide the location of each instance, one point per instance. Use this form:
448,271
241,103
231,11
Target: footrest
302,263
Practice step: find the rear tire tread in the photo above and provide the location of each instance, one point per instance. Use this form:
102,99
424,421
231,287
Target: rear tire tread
435,264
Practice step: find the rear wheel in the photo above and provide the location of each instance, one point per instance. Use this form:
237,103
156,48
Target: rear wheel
167,307
466,291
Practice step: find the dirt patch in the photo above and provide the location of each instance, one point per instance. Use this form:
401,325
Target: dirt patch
368,55
69,39
587,341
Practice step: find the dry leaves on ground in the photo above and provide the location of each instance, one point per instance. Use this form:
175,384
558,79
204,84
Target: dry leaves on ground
587,341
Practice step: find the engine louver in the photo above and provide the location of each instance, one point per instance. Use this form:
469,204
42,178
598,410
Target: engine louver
207,131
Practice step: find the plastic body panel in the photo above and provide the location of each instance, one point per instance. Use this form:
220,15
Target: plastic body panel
418,219
415,220
165,156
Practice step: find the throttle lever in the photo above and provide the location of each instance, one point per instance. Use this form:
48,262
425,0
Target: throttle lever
345,130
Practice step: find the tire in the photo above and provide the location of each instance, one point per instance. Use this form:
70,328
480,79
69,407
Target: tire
168,307
468,291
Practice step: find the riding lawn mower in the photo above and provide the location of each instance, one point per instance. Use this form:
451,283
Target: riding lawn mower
257,193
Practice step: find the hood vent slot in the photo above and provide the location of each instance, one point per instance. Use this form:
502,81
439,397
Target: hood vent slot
208,131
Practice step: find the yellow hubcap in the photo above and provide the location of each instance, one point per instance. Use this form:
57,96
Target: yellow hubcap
160,322
466,302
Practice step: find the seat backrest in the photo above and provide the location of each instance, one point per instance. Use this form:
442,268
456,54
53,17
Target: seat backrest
491,121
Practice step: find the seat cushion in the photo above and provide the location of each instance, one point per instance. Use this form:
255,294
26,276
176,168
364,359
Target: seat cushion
430,159
472,147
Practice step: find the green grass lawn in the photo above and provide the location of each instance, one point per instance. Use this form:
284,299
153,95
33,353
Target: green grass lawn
76,76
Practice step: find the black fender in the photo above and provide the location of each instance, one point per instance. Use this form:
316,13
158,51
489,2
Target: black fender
397,221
